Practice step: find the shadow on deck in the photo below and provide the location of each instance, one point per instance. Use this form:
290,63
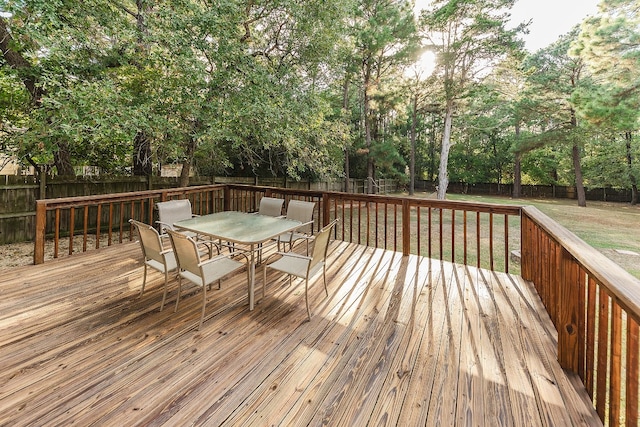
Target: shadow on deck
400,341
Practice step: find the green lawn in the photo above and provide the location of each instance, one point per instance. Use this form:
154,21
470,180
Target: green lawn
612,228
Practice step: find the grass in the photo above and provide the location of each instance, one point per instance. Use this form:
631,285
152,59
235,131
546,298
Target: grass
611,228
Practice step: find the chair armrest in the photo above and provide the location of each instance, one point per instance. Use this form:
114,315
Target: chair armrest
219,257
209,244
293,255
164,225
288,254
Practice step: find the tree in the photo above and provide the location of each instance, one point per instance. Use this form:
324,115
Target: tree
468,36
555,77
385,39
613,100
421,87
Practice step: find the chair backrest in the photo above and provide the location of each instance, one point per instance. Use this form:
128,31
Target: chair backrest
173,211
302,211
149,241
321,244
271,206
186,251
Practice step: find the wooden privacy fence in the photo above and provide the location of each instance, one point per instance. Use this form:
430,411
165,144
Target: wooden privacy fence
595,307
594,304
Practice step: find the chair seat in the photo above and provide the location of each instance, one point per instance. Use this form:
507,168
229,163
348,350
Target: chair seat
172,264
295,265
201,273
303,266
213,270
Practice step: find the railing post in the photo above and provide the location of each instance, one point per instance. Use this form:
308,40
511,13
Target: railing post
41,224
326,209
526,250
569,312
406,227
226,203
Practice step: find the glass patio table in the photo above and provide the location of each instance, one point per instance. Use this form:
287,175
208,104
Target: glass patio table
242,228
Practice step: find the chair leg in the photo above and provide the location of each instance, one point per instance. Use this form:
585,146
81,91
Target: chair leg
144,280
324,278
164,295
306,298
264,280
179,292
204,304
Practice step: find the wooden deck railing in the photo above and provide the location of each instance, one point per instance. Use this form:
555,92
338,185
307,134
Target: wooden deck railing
594,304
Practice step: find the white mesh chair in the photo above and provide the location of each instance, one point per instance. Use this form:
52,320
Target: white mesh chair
173,211
155,255
302,211
270,206
303,266
197,271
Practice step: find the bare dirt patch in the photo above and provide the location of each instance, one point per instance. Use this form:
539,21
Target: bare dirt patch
21,254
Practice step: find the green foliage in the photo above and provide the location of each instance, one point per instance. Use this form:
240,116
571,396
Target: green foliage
283,87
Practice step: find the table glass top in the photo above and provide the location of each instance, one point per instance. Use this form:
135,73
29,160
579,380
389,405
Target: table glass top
238,227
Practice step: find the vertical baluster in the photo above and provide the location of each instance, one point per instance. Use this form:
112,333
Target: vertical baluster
72,227
121,219
464,232
632,377
478,238
591,336
506,244
110,233
430,224
453,235
615,373
441,233
419,232
85,228
603,335
491,241
56,234
98,224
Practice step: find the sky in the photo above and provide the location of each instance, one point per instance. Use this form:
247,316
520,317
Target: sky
550,18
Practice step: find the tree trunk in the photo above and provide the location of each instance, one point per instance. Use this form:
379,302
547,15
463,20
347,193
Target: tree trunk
443,175
412,161
432,148
142,164
367,130
628,136
517,169
345,108
62,160
184,173
190,150
582,199
517,176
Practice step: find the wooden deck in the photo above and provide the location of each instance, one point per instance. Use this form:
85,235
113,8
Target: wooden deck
401,341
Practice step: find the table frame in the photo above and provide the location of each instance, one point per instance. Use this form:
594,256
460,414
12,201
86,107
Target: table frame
242,228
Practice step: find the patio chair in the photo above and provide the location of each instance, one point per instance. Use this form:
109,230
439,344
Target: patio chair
171,212
302,211
270,206
303,266
197,271
155,255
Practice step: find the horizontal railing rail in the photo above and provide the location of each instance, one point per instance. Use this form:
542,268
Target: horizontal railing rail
593,303
595,307
104,217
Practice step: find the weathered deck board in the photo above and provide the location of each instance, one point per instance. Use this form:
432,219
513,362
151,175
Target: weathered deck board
399,341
